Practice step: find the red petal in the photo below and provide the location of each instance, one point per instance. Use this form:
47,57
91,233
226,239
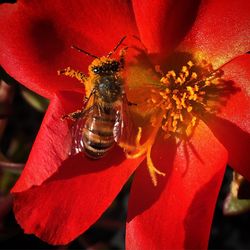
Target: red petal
232,125
221,31
71,200
237,108
177,214
36,37
51,145
162,24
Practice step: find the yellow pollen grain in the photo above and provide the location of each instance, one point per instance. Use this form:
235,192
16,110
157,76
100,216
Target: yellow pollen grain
164,127
190,89
167,90
183,76
169,106
190,64
185,71
183,99
174,123
165,81
177,101
184,68
179,80
171,73
207,83
193,121
189,109
194,76
176,116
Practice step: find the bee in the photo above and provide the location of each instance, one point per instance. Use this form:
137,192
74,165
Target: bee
104,118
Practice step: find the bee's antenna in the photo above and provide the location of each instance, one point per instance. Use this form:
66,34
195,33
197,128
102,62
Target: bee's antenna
83,51
116,47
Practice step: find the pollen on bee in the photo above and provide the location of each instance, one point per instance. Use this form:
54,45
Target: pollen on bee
73,74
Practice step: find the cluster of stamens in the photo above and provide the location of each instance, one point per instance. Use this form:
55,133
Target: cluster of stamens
181,96
178,101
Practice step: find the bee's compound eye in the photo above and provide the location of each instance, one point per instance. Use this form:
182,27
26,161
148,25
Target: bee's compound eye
95,70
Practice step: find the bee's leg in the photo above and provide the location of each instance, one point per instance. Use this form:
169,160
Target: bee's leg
122,56
74,116
132,103
73,73
80,113
127,101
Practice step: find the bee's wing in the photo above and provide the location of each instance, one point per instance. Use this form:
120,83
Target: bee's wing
77,144
124,126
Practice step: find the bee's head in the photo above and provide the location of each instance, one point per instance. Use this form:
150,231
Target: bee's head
105,66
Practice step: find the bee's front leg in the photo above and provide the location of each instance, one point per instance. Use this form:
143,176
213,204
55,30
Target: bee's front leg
80,76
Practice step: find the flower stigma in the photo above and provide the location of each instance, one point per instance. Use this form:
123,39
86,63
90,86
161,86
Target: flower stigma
176,102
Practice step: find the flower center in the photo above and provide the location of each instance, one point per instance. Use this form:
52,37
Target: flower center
175,104
181,97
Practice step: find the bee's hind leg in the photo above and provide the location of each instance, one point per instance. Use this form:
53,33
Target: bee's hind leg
80,113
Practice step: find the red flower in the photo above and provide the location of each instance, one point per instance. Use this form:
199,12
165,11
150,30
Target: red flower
57,198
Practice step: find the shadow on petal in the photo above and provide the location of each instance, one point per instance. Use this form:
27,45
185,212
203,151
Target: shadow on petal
235,140
67,203
199,214
70,169
163,154
46,40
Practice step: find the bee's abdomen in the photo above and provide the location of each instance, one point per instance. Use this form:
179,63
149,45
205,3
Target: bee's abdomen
98,135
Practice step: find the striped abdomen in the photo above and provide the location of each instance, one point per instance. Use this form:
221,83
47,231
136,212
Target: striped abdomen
98,136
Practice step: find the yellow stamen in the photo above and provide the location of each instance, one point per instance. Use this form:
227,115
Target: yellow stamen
138,136
146,149
152,169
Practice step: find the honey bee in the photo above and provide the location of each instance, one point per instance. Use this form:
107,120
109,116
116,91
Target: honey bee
104,118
